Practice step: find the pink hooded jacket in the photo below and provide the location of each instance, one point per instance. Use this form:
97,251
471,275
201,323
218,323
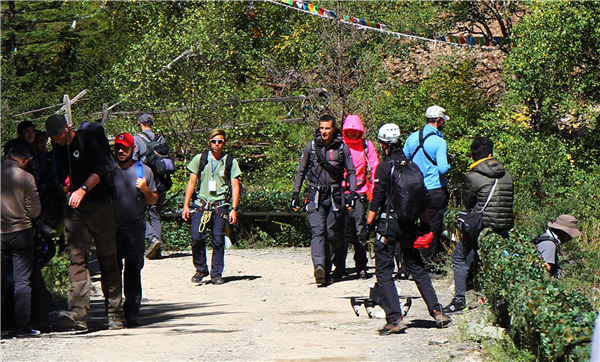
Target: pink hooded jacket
363,184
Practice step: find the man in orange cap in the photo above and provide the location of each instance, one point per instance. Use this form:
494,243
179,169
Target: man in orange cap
565,228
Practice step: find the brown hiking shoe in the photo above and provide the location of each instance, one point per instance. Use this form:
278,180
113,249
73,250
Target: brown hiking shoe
114,321
73,320
153,251
441,319
320,275
392,328
198,276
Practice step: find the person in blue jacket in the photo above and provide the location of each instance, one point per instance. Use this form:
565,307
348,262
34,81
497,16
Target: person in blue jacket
428,149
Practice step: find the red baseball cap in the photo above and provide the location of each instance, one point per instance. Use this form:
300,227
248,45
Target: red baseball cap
124,139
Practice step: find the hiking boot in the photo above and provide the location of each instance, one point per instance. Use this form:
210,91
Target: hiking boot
362,272
320,275
73,320
114,321
455,307
197,278
218,281
133,321
153,249
441,320
398,327
338,273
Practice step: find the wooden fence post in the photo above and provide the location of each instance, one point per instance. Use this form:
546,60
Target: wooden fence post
67,107
104,114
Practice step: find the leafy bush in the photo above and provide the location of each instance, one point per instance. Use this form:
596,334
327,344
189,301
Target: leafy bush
56,276
542,315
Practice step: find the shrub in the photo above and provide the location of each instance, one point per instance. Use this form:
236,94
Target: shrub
540,312
56,276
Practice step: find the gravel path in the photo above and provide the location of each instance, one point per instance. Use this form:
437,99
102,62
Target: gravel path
268,309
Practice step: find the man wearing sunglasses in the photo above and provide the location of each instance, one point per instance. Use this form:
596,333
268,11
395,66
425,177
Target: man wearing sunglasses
215,202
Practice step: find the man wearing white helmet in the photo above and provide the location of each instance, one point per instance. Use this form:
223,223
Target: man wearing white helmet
428,149
404,234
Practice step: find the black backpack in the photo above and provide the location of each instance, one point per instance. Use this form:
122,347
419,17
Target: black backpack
160,160
96,130
406,190
228,165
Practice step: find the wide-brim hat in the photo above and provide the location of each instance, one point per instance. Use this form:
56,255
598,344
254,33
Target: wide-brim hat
568,224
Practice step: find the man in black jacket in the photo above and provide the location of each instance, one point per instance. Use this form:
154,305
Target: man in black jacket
478,185
323,163
90,214
404,234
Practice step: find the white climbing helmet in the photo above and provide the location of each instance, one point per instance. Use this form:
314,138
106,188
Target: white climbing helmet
389,133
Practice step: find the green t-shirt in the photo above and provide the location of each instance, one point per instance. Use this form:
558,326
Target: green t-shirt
214,170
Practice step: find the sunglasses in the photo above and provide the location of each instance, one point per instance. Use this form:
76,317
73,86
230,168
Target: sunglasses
217,141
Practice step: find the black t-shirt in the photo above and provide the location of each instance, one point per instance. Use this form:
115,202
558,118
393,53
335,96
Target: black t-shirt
82,158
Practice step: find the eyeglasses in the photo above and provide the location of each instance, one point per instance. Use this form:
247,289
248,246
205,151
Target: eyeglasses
217,141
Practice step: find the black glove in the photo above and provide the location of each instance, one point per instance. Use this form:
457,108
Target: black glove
295,200
365,234
351,201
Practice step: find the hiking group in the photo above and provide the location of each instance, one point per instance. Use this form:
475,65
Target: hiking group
115,198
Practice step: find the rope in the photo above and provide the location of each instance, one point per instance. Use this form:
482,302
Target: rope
206,214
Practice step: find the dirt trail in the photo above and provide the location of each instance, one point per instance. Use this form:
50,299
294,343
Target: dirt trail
268,309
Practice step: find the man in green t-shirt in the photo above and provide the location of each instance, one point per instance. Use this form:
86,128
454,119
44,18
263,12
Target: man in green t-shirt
216,200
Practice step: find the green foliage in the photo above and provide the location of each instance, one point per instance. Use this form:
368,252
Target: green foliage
175,234
554,66
56,276
542,315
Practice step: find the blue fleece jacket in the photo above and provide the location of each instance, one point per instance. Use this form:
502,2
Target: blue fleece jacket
436,148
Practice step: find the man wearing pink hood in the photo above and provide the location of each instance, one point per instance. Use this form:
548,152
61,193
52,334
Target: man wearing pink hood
365,160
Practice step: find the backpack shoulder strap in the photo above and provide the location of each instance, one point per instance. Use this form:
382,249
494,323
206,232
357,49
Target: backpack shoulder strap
542,238
203,161
421,146
146,137
228,165
366,150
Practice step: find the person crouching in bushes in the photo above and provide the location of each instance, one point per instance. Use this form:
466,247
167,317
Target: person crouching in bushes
565,228
216,200
404,234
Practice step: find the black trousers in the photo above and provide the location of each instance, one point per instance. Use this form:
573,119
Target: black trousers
353,224
130,257
437,201
17,251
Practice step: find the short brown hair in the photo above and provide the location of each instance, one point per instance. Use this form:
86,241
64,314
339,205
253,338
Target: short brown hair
328,118
216,132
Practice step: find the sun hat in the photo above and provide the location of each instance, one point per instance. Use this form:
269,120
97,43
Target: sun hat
568,224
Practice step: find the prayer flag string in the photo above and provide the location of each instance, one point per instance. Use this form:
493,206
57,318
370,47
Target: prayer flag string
454,40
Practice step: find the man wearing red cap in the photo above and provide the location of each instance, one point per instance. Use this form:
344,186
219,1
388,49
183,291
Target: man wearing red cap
565,228
135,190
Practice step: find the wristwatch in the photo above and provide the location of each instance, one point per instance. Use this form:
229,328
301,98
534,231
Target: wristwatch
234,208
84,188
